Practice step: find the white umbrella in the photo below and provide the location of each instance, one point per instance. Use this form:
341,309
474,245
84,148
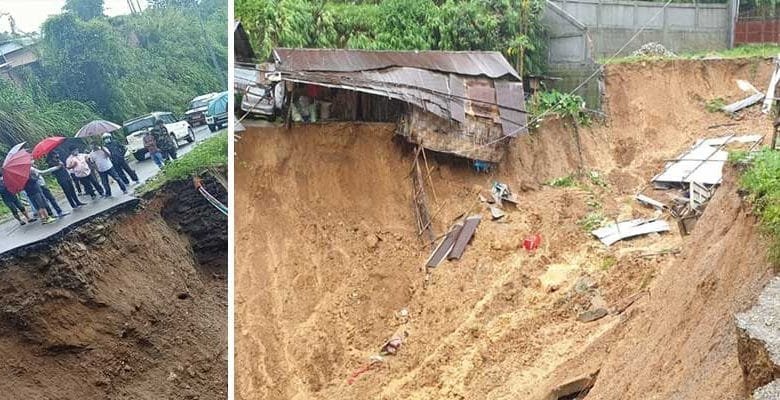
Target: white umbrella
97,127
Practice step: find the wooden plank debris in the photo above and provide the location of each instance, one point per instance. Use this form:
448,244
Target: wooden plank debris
744,103
444,247
770,92
464,237
649,201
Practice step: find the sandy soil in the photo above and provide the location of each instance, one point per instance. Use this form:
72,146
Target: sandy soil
328,254
118,309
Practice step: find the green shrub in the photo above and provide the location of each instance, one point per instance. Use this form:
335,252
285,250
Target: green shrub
715,104
562,104
762,181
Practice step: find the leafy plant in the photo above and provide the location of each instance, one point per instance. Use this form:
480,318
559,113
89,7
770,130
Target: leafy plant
562,104
563,181
762,181
607,263
593,220
714,105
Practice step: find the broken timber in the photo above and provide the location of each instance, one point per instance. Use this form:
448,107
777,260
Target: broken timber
419,199
455,241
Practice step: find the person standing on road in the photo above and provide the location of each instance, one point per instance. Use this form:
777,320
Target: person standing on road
164,140
101,156
64,179
150,143
78,166
118,159
35,194
12,202
47,194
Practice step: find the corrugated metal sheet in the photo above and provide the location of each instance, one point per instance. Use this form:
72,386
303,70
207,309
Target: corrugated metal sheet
470,63
457,86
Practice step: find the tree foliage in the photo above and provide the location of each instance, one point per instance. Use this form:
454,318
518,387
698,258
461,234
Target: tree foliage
84,9
114,68
509,26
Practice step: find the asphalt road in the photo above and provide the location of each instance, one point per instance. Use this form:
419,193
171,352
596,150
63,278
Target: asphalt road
16,236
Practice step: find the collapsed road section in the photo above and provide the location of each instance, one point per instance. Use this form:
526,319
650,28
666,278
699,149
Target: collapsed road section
128,305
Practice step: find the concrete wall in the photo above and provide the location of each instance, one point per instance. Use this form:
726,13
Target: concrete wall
679,27
570,55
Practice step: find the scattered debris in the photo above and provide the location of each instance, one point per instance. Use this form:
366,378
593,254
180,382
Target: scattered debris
464,237
703,163
652,49
699,195
445,246
575,389
627,229
501,193
374,362
744,103
592,315
651,202
454,243
532,242
394,343
770,92
496,213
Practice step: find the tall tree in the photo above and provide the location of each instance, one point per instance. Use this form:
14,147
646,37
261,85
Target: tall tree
85,9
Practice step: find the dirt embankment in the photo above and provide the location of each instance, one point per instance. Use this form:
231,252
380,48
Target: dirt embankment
328,253
680,341
120,308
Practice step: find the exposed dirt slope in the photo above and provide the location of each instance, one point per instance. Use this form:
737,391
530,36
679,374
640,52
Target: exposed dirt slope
118,309
680,341
328,253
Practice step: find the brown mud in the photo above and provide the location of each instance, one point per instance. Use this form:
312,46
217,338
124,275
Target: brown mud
328,256
119,308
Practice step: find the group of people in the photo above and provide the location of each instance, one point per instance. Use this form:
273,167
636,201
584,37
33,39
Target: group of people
76,175
159,144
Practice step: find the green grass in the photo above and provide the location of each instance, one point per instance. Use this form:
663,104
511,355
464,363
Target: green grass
593,220
762,50
715,104
563,181
607,263
210,153
762,181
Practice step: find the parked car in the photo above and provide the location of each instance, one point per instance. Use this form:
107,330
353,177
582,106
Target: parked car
216,113
263,100
136,129
196,111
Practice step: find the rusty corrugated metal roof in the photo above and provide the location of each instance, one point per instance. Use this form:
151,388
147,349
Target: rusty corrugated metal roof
448,84
470,63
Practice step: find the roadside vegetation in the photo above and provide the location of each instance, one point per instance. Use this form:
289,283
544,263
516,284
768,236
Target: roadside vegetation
762,50
211,153
135,64
762,182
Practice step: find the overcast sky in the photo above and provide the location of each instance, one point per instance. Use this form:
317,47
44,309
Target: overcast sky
30,14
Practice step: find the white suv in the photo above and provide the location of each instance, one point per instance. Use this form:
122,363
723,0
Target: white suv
137,128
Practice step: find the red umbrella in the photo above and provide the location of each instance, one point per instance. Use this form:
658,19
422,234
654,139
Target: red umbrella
16,171
46,146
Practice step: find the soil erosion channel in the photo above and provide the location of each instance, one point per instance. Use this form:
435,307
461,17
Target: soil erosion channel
126,306
329,258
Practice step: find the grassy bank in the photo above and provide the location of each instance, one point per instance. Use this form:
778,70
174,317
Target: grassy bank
762,50
762,181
